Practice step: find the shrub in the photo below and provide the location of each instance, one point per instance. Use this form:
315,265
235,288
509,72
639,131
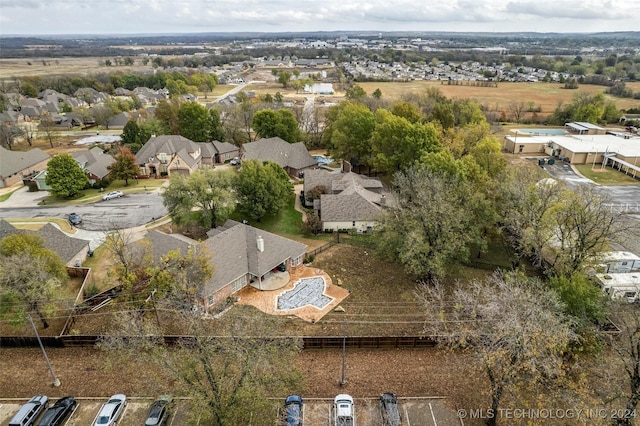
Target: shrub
91,290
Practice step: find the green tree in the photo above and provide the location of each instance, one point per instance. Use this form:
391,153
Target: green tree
350,127
207,191
130,134
194,122
64,176
216,131
377,94
284,77
125,166
167,113
268,123
104,113
30,275
262,189
355,93
397,143
430,224
28,90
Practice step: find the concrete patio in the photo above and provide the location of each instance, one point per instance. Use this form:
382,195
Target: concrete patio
267,300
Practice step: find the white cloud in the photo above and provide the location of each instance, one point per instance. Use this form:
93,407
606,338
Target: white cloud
171,16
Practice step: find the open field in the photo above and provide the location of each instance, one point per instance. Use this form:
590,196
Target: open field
545,95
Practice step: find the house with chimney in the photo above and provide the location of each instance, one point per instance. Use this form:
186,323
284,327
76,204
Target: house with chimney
294,158
240,256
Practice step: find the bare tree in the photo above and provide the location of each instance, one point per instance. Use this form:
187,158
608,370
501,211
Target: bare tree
517,110
9,135
628,350
49,128
512,323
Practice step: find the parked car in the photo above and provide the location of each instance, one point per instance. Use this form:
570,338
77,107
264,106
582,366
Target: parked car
112,194
111,411
293,413
29,412
59,412
389,408
159,412
344,410
235,161
75,219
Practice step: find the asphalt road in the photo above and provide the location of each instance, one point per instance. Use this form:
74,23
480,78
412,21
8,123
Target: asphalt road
129,211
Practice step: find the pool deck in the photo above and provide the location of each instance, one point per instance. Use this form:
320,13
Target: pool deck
267,300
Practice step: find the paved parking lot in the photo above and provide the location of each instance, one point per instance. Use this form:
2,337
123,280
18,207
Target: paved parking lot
317,412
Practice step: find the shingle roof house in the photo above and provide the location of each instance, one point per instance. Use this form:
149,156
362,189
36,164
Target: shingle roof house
14,165
239,254
224,151
242,254
351,200
293,157
71,250
169,154
94,162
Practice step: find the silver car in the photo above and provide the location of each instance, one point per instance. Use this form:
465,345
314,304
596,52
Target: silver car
111,411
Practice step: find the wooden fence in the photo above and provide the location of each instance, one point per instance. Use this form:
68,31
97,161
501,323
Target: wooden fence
316,342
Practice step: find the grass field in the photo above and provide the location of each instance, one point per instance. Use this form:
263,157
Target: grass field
545,95
607,176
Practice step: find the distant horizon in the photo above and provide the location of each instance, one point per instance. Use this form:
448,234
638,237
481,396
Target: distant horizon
38,18
332,32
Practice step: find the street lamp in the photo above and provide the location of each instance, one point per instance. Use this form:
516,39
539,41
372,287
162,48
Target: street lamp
54,379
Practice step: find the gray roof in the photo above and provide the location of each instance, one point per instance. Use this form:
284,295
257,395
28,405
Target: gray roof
347,207
54,239
234,253
224,147
169,144
94,160
337,181
12,162
164,243
279,151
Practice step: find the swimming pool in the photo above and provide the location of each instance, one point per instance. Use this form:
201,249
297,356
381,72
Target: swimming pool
305,292
321,159
540,132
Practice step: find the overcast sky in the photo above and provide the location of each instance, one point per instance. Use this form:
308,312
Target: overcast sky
179,16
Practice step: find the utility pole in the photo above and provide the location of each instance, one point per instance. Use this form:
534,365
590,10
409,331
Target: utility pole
54,379
155,310
344,351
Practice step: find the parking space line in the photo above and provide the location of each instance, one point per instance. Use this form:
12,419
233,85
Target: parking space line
432,415
406,416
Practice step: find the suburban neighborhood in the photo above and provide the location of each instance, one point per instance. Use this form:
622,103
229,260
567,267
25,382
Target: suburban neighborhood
272,241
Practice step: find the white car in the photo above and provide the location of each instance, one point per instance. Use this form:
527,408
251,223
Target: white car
344,410
112,194
111,411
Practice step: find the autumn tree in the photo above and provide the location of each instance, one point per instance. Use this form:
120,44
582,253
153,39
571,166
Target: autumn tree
263,188
229,377
64,176
30,275
513,324
125,167
430,222
207,191
167,113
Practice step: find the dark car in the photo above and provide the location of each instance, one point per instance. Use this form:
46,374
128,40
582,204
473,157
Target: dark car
389,407
293,410
58,412
75,219
159,412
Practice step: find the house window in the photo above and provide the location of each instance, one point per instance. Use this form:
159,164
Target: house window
163,157
353,223
295,261
521,148
624,263
238,284
211,300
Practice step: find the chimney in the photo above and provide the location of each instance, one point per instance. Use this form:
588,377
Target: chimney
260,243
